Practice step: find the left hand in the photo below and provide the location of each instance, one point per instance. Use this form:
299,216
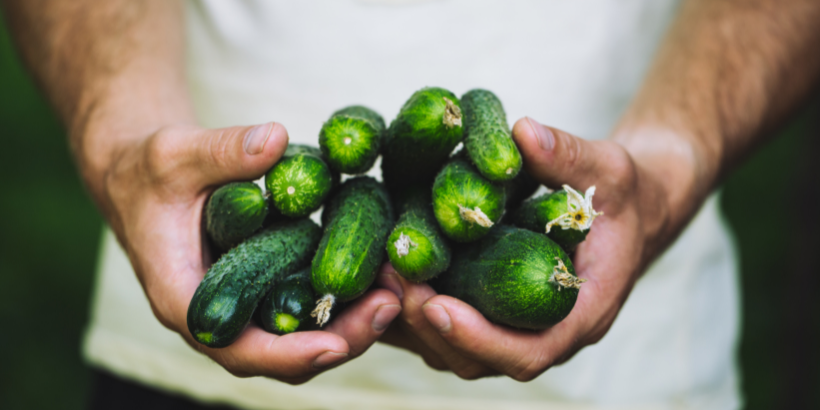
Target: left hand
637,224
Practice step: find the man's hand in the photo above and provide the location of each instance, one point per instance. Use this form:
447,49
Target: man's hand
450,334
153,197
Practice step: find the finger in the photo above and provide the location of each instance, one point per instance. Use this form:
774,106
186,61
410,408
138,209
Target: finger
395,335
520,354
207,157
290,357
555,157
361,323
414,322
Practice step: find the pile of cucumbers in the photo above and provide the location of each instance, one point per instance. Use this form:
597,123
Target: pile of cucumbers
460,220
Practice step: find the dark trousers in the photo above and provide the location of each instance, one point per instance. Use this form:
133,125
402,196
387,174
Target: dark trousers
111,392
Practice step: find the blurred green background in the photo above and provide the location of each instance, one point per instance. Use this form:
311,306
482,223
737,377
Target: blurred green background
49,234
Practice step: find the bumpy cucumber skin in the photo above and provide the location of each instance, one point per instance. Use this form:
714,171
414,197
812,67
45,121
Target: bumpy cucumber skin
356,224
534,214
418,141
459,183
292,296
505,276
300,181
487,137
233,287
431,254
365,130
234,212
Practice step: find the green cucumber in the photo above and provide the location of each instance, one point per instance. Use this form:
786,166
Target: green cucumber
351,139
416,247
466,204
233,287
356,224
565,216
287,307
300,181
514,277
422,136
487,137
234,212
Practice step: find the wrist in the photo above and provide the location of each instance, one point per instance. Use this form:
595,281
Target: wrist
675,172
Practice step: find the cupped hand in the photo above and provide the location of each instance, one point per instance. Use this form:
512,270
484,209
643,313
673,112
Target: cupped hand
451,335
153,196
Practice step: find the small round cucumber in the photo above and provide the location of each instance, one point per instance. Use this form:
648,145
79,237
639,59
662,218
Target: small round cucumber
416,247
466,204
566,216
487,137
287,307
356,223
233,287
514,277
351,139
300,181
422,136
234,212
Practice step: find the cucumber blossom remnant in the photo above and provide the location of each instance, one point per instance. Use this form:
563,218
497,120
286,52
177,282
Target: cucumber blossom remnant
579,214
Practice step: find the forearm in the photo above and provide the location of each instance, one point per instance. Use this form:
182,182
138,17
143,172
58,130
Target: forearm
726,75
113,70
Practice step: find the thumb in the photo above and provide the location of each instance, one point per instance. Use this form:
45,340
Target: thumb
555,157
236,153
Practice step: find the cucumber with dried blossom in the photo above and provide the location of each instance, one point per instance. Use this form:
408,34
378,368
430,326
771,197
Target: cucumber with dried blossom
514,277
300,181
234,212
420,139
487,136
566,216
466,204
287,307
356,223
233,287
351,139
416,248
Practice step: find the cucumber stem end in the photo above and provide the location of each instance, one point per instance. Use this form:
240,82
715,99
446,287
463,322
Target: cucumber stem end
564,279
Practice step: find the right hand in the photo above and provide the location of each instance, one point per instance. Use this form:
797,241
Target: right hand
153,194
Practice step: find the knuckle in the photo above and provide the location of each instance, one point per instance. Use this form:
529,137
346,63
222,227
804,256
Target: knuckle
161,158
435,363
470,372
529,366
219,150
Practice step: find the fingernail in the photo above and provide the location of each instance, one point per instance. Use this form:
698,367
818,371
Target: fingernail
384,315
256,138
544,136
438,317
391,282
328,358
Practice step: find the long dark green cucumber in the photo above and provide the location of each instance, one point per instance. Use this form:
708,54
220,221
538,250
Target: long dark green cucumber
351,139
568,225
234,212
417,249
487,137
465,203
422,136
515,277
287,307
225,300
300,181
356,223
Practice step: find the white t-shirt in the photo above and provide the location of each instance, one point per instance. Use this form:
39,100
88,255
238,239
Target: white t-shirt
574,65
